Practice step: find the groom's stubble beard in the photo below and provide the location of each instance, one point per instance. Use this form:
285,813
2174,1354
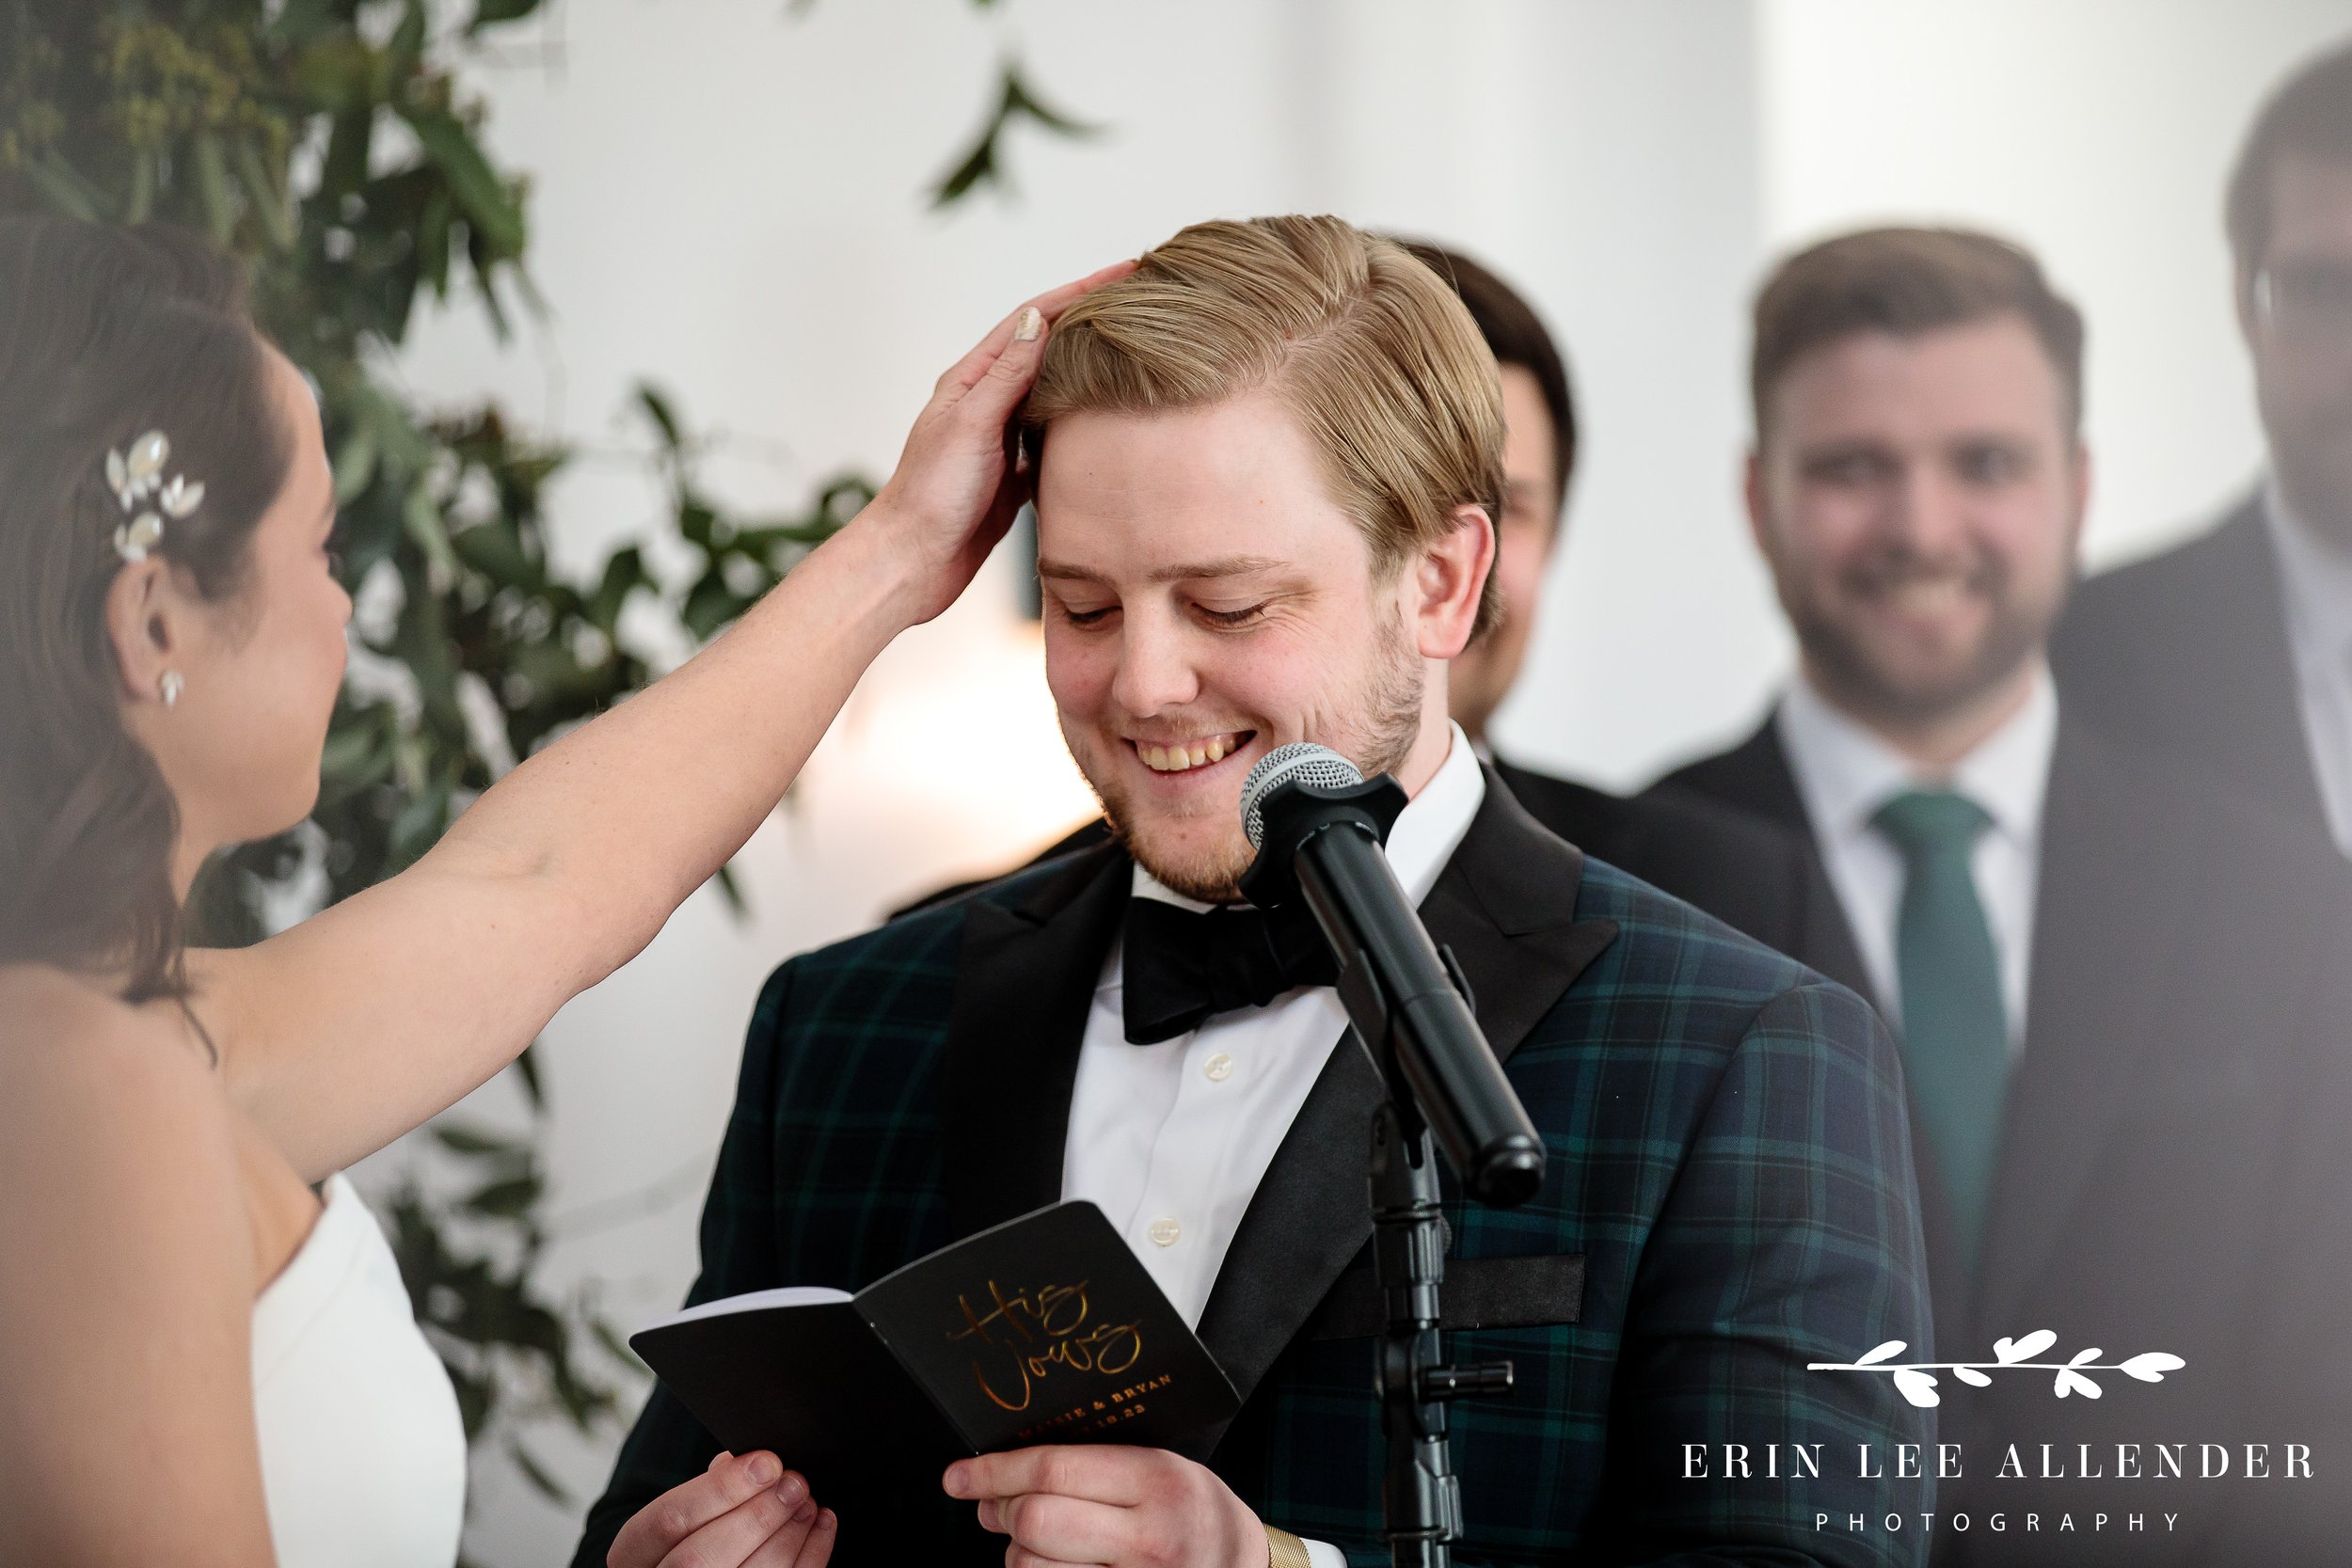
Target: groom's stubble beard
1376,736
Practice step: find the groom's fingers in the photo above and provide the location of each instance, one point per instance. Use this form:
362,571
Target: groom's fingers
757,1481
735,1538
804,1543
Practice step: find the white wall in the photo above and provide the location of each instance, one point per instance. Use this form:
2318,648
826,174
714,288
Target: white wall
726,200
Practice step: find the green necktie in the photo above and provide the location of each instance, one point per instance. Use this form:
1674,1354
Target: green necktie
1955,1033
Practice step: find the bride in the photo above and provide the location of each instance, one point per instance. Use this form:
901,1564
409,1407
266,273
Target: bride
205,1351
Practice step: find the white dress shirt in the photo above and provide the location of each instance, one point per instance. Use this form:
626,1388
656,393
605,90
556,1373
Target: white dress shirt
1845,773
2316,581
1170,1140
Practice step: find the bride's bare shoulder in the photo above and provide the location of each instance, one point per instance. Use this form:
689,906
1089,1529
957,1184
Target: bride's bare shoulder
77,1064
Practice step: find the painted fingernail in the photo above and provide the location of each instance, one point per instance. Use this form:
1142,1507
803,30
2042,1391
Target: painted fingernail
763,1468
1027,325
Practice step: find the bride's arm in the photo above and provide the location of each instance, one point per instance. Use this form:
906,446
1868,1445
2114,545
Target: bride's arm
357,1024
126,1294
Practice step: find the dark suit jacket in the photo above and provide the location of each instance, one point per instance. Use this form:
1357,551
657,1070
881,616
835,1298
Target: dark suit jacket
2179,1102
1729,1158
1751,874
2185,656
1746,872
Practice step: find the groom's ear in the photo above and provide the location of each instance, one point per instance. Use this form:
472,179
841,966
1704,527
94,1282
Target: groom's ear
1450,584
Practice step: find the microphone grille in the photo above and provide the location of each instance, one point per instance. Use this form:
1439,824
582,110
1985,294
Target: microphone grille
1301,762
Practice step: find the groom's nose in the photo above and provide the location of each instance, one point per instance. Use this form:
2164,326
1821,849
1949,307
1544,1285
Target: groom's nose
1155,670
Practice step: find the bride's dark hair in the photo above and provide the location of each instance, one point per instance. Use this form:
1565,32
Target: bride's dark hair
106,334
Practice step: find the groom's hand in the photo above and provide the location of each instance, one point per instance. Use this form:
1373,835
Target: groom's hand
1129,1508
744,1512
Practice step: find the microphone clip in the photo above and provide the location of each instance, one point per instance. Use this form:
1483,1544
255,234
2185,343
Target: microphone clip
1296,812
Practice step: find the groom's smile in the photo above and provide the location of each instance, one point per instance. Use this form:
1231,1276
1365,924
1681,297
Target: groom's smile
1207,600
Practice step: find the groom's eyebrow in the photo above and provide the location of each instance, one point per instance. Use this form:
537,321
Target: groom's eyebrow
1225,566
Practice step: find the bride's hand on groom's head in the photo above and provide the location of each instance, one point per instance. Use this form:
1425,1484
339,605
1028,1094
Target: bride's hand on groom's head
746,1510
961,480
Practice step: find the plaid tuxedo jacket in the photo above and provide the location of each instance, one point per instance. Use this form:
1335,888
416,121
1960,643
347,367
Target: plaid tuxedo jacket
1728,1156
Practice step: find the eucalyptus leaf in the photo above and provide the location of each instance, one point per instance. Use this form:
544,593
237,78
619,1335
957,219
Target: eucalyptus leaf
66,192
527,1070
405,51
265,200
508,1195
488,13
541,1480
212,182
337,73
355,465
656,406
483,198
465,1140
345,170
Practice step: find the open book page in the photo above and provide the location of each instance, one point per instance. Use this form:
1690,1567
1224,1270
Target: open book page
754,1301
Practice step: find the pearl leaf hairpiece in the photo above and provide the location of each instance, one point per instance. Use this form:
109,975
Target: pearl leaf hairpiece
138,478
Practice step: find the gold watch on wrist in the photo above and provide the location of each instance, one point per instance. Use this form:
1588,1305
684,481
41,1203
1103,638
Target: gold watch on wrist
1285,1550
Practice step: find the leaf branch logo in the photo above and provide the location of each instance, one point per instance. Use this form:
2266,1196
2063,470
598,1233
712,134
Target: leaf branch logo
1915,1380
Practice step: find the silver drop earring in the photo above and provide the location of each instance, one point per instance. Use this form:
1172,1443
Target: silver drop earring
169,688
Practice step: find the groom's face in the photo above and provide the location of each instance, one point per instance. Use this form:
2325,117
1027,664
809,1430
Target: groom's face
1205,601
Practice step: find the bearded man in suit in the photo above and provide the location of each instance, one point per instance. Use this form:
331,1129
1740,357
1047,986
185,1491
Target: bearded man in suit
2122,996
1267,468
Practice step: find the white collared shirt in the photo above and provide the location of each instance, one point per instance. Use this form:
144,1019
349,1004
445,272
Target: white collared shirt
2316,582
1170,1140
1845,773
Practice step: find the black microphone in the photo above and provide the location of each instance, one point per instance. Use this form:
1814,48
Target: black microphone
1319,828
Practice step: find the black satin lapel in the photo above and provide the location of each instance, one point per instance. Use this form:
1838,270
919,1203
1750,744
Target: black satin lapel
1309,1217
1506,904
1025,976
2109,898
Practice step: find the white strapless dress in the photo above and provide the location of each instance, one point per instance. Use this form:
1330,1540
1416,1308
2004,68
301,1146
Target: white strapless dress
363,1453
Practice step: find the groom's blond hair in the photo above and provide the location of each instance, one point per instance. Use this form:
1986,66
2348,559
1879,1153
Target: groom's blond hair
1372,353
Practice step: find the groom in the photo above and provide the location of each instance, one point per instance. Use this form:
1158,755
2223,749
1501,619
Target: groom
1268,464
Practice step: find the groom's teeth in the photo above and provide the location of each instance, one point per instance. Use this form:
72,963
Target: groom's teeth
1178,759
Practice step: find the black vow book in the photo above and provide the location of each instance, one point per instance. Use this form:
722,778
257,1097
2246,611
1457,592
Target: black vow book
1043,1329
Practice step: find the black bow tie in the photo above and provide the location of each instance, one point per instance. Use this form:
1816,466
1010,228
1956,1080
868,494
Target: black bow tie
1184,968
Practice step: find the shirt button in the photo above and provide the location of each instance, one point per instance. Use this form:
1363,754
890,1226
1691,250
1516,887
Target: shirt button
1218,1067
1165,1231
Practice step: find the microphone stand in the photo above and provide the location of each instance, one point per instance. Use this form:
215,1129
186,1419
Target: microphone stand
1420,1498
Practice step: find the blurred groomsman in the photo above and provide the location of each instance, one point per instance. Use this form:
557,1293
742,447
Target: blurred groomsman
2233,652
1745,871
2120,1000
